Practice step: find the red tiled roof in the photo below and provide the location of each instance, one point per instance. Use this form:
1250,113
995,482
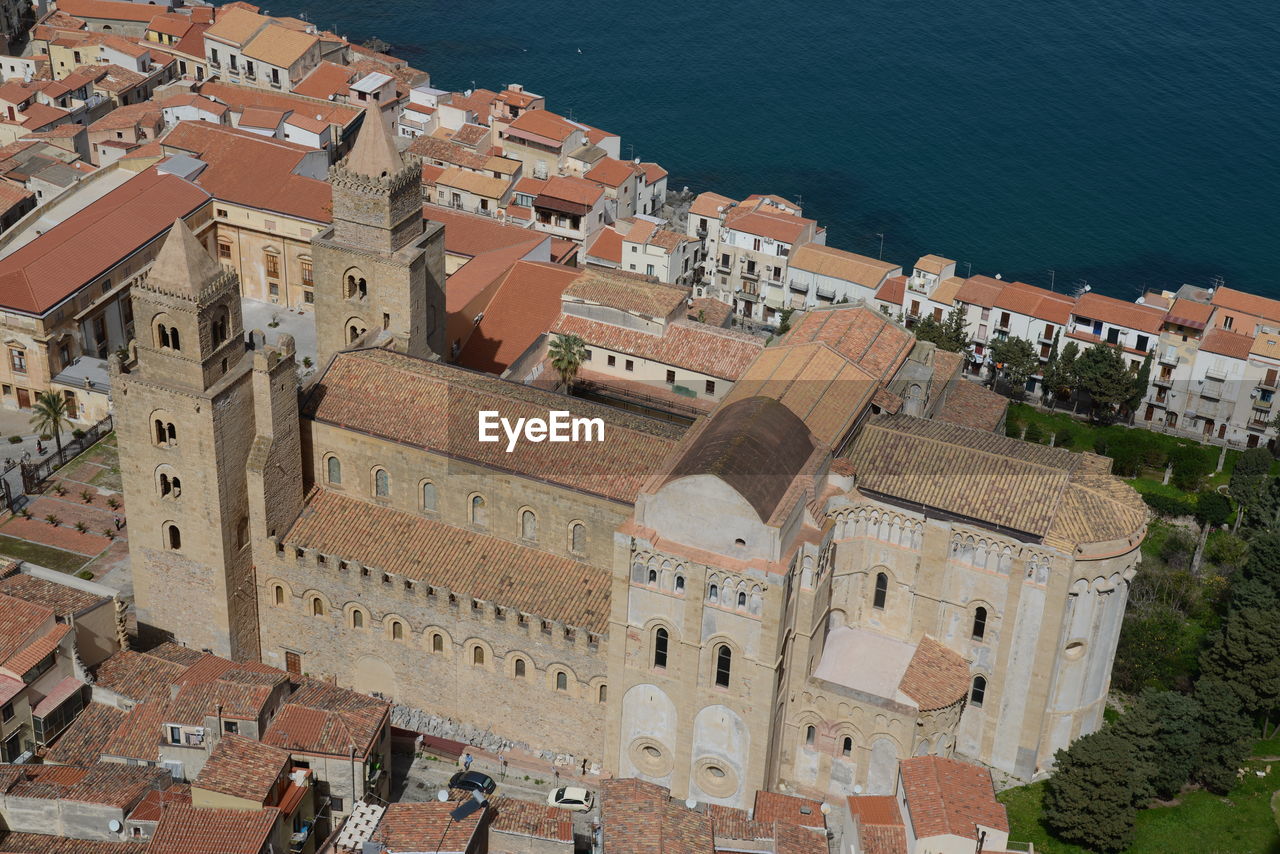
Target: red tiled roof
781,227
683,344
158,801
426,827
545,124
892,290
1233,300
170,24
708,205
638,818
55,265
185,829
946,796
774,807
936,677
81,743
109,10
1189,313
880,827
240,97
30,655
57,695
138,675
255,171
610,172
484,567
469,234
105,783
1224,342
524,306
138,735
38,843
971,405
325,79
242,768
570,189
607,245
323,719
529,819
1143,318
871,340
369,390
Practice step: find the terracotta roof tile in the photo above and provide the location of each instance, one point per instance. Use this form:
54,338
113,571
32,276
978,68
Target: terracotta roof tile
138,675
323,719
626,293
279,46
535,820
872,341
1189,313
236,25
523,307
242,768
38,843
47,270
710,311
473,182
638,818
240,97
970,405
683,344
572,189
1224,342
81,743
138,736
427,827
34,650
1233,300
732,823
363,390
158,801
933,264
484,567
109,10
545,124
936,678
62,599
442,151
611,173
709,204
1142,318
186,829
325,79
838,264
773,807
946,796
104,783
793,839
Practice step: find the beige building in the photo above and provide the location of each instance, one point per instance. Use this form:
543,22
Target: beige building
844,564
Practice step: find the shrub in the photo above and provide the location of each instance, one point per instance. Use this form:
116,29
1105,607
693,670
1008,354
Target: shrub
85,574
53,519
77,433
82,527
1213,508
59,489
1168,505
1012,429
113,503
109,533
86,496
1224,549
45,437
1190,465
1034,433
15,440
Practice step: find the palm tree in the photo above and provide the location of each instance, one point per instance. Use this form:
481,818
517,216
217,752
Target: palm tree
567,353
49,415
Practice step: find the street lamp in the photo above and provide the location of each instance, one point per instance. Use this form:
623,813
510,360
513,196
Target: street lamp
880,256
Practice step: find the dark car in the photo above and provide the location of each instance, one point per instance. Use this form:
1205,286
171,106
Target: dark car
473,781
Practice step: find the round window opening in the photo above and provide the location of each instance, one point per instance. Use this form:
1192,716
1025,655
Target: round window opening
739,542
1074,650
716,771
715,779
652,752
650,757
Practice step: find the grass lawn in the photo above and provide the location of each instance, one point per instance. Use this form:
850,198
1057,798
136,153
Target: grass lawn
46,556
1241,823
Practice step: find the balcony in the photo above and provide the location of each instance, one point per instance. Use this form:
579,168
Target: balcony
1263,405
1272,383
1169,358
1163,380
1215,374
751,275
1211,390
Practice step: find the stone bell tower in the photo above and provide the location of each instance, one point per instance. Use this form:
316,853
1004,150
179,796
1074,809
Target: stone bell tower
379,269
199,408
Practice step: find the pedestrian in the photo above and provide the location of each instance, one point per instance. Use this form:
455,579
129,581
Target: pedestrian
466,762
584,768
119,522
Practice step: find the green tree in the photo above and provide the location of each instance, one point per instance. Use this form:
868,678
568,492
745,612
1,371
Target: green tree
949,334
1191,463
1100,371
1249,478
1213,508
1164,728
784,323
1140,384
1016,361
1093,794
1050,382
49,415
928,329
567,353
1226,735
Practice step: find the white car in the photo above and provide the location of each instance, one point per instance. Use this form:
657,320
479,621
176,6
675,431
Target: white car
573,798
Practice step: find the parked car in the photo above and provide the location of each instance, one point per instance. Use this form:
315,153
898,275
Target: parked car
573,798
473,781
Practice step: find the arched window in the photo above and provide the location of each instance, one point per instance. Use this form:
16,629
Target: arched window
578,538
218,329
519,668
172,537
660,647
713,592
679,583
165,434
317,607
528,525
979,690
353,334
162,336
604,694
846,746
742,599
428,496
477,510
477,655
653,576
357,619
437,643
724,663
362,289
334,470
279,593
242,532
979,623
882,591
562,681
165,486
397,630
381,483
810,734
174,342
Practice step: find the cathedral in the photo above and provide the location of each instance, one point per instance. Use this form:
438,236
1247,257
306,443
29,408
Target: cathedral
833,570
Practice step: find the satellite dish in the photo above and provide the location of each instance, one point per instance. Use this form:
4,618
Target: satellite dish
857,790
442,795
825,809
691,803
115,826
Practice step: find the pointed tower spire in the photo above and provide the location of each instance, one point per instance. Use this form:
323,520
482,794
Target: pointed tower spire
374,153
183,264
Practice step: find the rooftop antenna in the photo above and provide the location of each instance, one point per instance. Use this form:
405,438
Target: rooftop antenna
1052,275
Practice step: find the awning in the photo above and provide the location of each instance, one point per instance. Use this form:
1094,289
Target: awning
56,697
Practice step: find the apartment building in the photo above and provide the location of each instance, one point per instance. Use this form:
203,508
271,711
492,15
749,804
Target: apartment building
542,141
245,47
821,275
